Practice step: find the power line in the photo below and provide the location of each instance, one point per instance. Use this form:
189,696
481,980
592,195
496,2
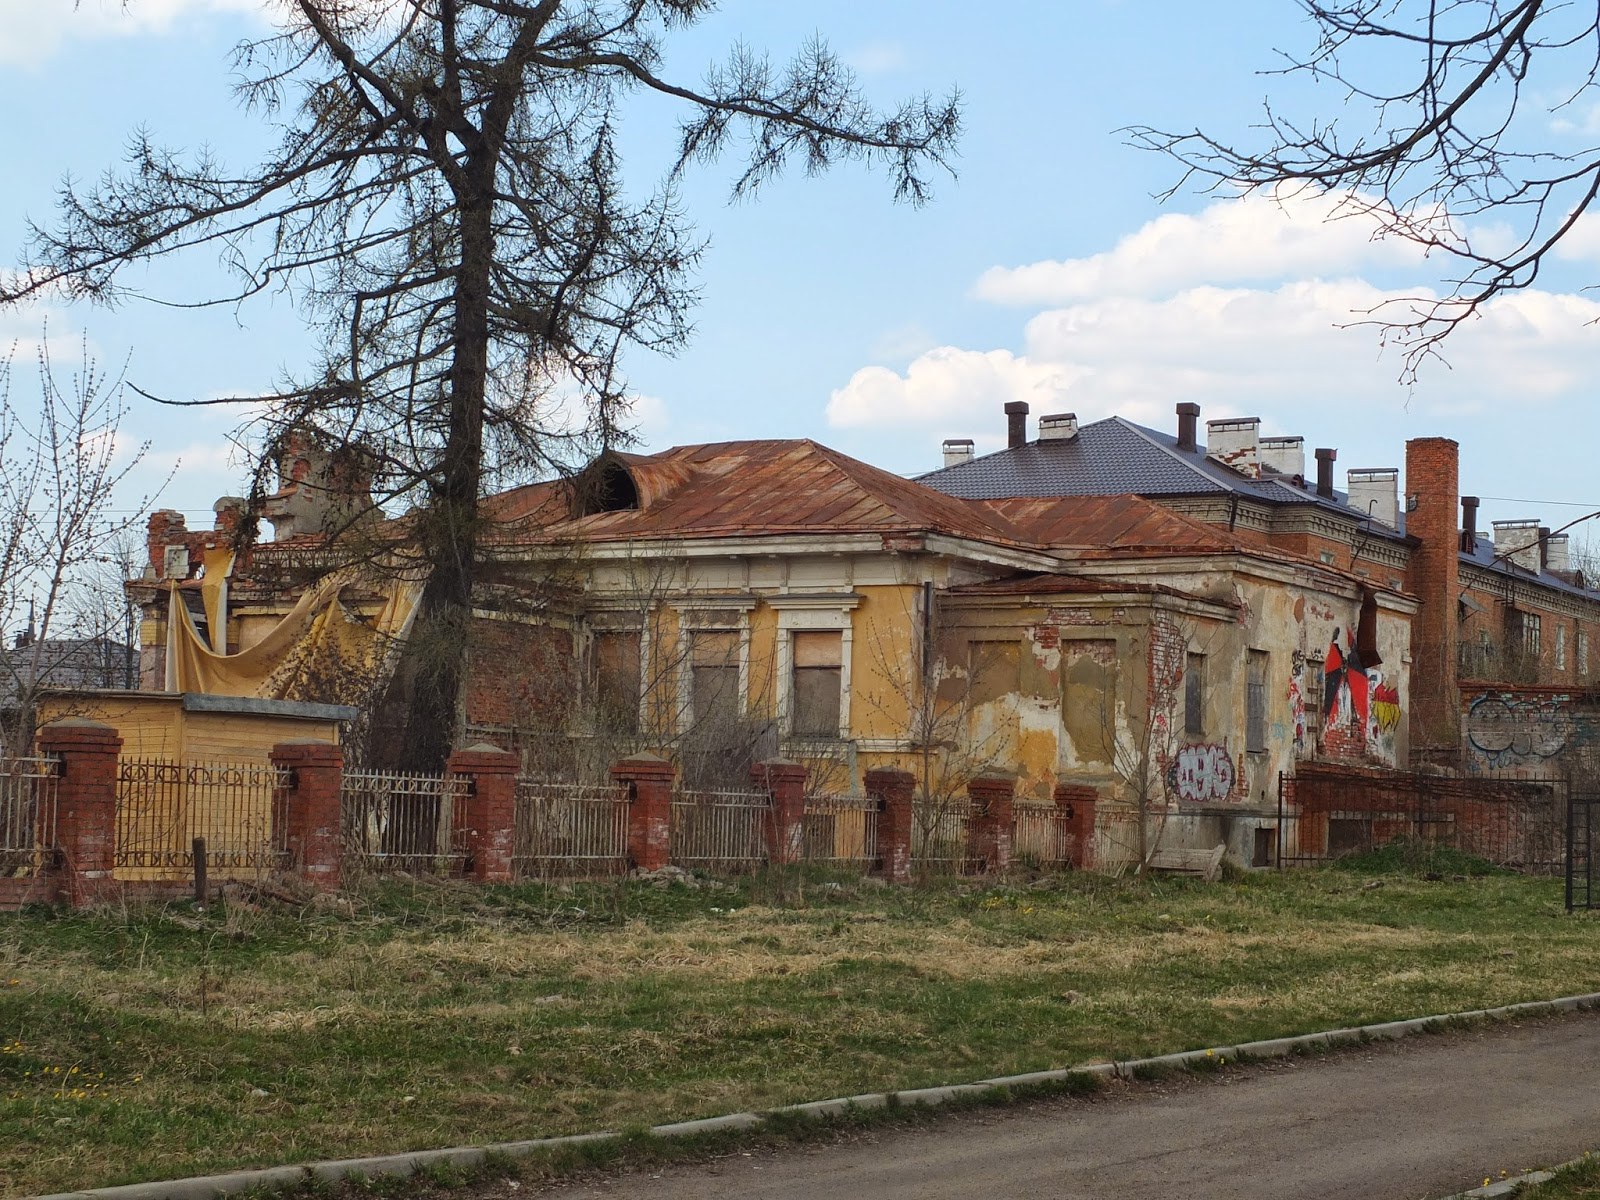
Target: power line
1558,503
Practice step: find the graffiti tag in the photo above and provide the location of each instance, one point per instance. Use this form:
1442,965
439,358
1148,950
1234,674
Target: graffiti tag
1202,773
1506,728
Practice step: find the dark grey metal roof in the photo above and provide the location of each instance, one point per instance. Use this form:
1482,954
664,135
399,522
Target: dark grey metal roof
1483,554
67,663
1116,457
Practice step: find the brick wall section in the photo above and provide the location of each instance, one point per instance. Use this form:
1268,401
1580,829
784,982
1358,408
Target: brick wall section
488,813
86,806
648,780
990,837
1076,804
519,674
892,788
1434,577
307,812
785,785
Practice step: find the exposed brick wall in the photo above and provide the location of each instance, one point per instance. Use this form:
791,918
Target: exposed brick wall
520,675
1433,576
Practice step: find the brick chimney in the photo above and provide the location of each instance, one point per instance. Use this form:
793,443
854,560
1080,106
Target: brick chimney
1376,493
1236,442
1325,457
1016,423
957,451
1058,427
1434,576
1518,542
1285,455
1188,420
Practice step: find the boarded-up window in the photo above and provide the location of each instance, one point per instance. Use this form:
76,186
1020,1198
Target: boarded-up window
714,676
1089,684
994,670
1255,706
1311,698
1194,694
616,680
818,679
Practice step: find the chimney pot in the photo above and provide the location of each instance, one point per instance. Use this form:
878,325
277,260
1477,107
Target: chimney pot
1058,427
1016,423
1188,422
1325,458
957,451
1469,523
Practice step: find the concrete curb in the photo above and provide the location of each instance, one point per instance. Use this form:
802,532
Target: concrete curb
210,1187
1508,1187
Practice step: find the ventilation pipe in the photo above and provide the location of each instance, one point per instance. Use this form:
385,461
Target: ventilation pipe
1188,421
1016,423
1325,457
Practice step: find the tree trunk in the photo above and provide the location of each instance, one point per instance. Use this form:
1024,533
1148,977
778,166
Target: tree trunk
433,667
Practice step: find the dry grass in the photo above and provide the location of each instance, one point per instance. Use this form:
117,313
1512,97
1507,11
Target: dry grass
439,1015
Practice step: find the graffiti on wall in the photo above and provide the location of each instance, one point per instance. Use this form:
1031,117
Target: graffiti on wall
1383,716
1202,774
1505,729
1344,686
1297,714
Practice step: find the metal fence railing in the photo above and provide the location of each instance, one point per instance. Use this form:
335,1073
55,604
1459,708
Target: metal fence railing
569,829
396,821
1516,822
27,814
842,830
163,806
1039,834
719,831
940,833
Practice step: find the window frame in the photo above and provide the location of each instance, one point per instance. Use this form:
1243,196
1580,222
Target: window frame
813,614
711,614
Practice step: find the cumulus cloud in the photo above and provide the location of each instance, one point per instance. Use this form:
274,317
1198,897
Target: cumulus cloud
1252,238
36,29
1246,307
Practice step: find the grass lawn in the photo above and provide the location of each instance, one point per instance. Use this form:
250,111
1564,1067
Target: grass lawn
155,1042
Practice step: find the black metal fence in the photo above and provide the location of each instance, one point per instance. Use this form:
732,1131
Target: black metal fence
1583,830
1326,813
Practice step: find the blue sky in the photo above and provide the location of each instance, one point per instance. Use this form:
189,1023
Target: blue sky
1044,271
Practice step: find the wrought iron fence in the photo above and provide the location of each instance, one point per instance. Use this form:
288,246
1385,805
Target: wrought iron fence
939,833
1513,822
395,821
163,806
27,814
569,829
1039,834
841,829
1583,835
719,831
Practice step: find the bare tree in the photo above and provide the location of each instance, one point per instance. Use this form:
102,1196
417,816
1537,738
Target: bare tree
447,204
1427,129
64,532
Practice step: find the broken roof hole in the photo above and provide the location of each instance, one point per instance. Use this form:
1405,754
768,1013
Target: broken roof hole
605,485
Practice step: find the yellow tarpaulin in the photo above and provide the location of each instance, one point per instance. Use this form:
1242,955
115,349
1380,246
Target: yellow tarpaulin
320,650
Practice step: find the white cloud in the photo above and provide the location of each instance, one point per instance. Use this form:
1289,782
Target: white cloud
1249,239
1149,323
35,29
878,58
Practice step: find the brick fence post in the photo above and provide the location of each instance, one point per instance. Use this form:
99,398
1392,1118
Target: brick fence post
488,813
305,815
86,805
989,836
1076,804
649,783
892,789
785,785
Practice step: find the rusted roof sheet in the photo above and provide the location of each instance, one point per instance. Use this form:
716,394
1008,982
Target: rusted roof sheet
753,488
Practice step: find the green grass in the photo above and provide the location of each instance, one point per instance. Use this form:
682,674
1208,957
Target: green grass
154,1042
1580,1181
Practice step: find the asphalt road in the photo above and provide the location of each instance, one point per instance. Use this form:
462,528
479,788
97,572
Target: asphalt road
1425,1117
